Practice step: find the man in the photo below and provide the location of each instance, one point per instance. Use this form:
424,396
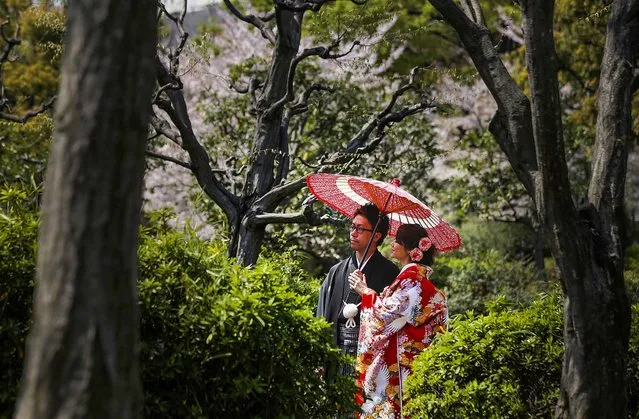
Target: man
335,292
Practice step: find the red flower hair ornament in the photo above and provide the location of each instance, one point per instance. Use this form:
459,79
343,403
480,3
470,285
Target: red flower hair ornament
418,253
425,244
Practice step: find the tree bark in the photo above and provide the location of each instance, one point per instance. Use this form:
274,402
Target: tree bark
267,146
83,347
593,375
586,245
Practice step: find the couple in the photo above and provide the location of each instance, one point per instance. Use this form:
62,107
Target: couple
380,314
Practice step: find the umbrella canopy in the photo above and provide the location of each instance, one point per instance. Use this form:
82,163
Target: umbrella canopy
347,193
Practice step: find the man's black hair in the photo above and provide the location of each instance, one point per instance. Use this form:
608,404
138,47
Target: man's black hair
371,213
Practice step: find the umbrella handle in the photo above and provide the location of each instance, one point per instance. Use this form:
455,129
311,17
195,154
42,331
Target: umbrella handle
370,241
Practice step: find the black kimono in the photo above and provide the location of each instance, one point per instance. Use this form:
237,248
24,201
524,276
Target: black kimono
335,292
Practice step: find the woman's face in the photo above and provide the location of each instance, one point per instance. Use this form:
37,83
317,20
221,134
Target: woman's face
398,251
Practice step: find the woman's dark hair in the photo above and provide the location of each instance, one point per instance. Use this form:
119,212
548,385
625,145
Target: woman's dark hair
409,235
371,213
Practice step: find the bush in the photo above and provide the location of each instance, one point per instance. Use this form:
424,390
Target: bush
218,340
18,235
506,364
494,260
471,281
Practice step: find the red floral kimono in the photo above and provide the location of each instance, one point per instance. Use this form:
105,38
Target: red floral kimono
395,327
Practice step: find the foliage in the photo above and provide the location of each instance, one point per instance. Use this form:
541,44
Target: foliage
27,80
236,341
494,260
218,340
484,184
18,234
506,364
333,117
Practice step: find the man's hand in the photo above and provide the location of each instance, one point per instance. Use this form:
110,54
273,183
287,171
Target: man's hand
357,281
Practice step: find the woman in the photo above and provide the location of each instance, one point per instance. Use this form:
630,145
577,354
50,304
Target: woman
396,325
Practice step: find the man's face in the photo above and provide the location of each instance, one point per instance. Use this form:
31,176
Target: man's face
359,240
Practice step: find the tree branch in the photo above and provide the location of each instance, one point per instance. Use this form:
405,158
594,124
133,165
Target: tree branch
174,56
259,23
200,160
270,200
169,159
386,116
513,117
322,52
301,105
162,127
306,216
553,196
617,84
300,6
10,44
473,10
29,114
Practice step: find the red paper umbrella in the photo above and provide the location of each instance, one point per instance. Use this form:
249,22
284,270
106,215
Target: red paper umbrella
347,193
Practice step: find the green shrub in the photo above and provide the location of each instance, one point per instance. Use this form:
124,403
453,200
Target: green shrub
471,281
18,233
495,259
506,364
631,273
220,340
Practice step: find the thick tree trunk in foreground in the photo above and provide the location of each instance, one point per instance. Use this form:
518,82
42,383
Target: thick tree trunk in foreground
82,350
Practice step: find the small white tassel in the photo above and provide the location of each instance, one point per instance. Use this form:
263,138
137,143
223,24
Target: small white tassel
350,311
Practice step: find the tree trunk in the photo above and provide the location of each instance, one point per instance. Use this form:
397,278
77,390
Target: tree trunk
540,266
267,144
593,376
586,248
82,349
596,314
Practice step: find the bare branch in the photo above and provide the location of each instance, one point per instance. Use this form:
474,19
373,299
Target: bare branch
173,85
300,6
162,127
239,89
509,28
200,160
169,159
268,17
301,105
29,114
383,118
174,56
322,52
10,43
259,23
307,216
271,199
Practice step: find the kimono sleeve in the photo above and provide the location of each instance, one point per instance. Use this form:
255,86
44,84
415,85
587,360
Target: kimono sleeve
394,311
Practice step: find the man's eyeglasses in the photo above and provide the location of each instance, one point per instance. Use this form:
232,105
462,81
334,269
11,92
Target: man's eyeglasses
359,229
